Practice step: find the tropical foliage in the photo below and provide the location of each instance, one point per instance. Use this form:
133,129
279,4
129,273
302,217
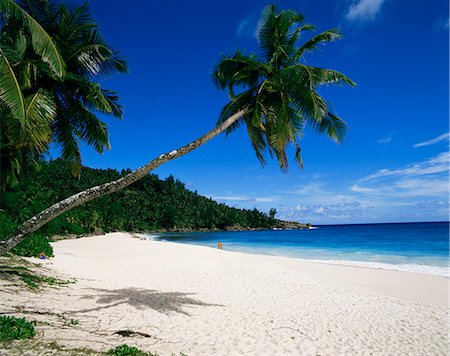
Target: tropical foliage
51,58
125,350
277,89
32,246
12,328
148,204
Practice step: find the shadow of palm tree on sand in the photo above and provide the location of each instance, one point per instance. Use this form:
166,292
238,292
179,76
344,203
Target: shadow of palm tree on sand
163,302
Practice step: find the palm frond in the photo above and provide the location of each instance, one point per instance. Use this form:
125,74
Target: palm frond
42,42
265,31
75,19
67,143
307,103
312,77
294,37
95,56
326,36
328,76
10,92
275,33
280,130
238,70
91,95
113,100
93,131
239,102
332,126
40,112
258,141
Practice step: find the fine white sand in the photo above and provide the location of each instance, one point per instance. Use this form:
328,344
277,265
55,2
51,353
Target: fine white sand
202,301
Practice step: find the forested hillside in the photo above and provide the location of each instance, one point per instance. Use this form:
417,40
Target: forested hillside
148,204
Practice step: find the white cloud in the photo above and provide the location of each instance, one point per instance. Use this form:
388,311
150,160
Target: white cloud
443,137
428,178
386,139
233,198
364,10
359,189
410,192
300,208
320,210
309,188
265,200
244,198
247,27
437,164
442,24
421,187
327,213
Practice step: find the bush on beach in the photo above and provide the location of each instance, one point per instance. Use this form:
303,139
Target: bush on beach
125,350
12,328
32,246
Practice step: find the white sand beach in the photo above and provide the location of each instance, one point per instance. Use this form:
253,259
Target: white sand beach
202,301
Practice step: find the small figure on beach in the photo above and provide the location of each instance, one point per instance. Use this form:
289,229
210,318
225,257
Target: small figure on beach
220,245
42,256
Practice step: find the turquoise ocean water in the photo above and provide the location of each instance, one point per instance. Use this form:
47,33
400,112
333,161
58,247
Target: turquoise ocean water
415,247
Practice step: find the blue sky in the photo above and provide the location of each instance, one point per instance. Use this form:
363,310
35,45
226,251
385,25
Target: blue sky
393,165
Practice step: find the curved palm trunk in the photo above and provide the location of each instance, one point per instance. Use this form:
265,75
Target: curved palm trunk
57,209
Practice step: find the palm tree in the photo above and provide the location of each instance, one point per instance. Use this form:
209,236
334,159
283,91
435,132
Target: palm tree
25,114
41,103
278,91
277,97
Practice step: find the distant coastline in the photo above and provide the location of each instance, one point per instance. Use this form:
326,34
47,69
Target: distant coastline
390,222
279,225
150,205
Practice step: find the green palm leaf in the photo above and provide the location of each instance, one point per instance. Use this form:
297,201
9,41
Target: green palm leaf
10,91
334,127
238,103
42,42
41,111
326,36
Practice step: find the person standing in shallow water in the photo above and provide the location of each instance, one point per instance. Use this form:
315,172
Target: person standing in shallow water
220,245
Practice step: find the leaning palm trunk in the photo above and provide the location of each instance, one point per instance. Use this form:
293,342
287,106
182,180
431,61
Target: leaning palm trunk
57,209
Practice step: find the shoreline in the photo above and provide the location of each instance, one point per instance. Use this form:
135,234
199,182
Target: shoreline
204,301
407,268
310,265
401,267
323,265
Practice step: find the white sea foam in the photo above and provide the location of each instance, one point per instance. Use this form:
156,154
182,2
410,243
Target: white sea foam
403,267
417,268
152,237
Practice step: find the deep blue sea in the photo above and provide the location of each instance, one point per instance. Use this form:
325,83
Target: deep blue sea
415,247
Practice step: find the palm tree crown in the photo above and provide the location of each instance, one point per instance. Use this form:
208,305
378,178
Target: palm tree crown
51,59
277,90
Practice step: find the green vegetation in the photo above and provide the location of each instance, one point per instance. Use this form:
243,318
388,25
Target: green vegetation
148,204
12,328
125,350
32,246
30,278
52,57
73,322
